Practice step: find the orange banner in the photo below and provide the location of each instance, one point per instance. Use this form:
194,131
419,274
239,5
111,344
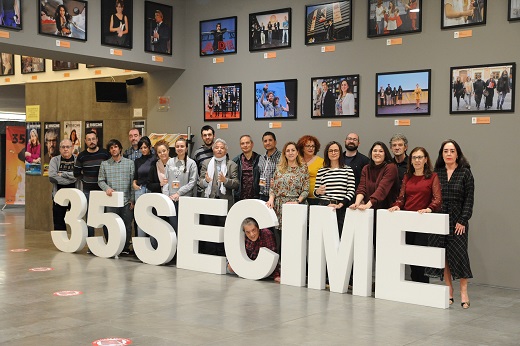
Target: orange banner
14,167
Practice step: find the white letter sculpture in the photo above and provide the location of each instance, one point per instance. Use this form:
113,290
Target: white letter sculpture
73,218
294,244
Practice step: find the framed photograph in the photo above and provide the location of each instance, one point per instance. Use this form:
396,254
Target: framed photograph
335,96
482,88
58,65
11,15
331,22
32,64
116,23
461,13
223,102
513,12
276,99
218,36
6,64
270,30
403,93
386,18
66,20
158,28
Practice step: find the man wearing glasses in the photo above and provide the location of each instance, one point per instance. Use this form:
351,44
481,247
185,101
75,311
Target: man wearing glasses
61,175
353,158
51,140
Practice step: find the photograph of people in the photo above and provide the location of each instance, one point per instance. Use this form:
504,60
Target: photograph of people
117,24
457,13
10,14
76,144
420,192
394,17
276,27
66,18
218,36
33,149
7,64
407,92
158,28
32,64
514,10
345,104
222,102
323,26
457,191
275,99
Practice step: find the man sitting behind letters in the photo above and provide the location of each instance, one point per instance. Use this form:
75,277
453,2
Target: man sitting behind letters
255,239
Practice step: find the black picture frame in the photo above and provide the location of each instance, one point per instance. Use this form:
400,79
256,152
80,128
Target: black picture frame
31,64
222,102
123,37
329,106
214,41
283,89
7,67
513,10
58,65
479,16
11,18
76,18
477,101
328,23
279,37
406,105
163,43
404,18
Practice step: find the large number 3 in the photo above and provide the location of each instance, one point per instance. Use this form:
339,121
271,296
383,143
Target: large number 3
73,218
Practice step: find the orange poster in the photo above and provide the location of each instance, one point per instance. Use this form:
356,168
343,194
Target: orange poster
14,167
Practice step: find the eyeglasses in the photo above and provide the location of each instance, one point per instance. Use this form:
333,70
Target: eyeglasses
65,146
417,158
310,146
352,139
334,151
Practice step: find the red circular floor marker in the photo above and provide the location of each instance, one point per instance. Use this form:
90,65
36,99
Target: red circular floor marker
112,342
67,293
41,269
19,250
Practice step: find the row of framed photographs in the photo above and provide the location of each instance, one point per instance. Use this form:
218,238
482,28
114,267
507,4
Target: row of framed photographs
473,89
30,64
68,19
332,22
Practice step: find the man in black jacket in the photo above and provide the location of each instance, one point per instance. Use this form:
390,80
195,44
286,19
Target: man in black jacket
248,173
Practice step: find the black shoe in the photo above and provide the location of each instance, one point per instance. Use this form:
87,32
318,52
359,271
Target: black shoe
89,252
125,253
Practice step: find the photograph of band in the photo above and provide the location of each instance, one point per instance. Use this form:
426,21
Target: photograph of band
10,14
403,93
218,36
66,18
270,30
116,23
482,88
395,17
276,99
58,65
223,101
6,64
158,28
335,96
32,64
513,10
460,13
331,22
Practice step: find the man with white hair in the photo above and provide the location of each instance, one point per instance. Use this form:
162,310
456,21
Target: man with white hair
61,175
218,178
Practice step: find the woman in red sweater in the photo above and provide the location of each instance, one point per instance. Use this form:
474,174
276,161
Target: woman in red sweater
421,192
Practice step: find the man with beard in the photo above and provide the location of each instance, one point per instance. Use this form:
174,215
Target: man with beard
51,140
133,152
87,167
205,151
267,164
399,146
353,158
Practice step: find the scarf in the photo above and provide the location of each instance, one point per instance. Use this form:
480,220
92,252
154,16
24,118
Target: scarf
211,172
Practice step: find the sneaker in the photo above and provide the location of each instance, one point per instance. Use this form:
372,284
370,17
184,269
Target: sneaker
89,252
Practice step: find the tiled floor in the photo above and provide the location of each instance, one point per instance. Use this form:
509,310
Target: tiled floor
164,305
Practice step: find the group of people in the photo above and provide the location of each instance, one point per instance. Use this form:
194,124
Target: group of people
326,104
388,19
274,33
342,178
271,104
478,89
223,100
390,97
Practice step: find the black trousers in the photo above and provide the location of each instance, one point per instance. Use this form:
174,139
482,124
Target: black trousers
58,216
413,238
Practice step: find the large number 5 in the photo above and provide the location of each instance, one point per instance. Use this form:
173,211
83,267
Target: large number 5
116,227
73,218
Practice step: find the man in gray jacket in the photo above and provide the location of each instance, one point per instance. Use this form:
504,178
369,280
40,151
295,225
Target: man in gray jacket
61,175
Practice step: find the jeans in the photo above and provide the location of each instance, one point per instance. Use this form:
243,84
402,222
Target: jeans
501,99
139,193
127,215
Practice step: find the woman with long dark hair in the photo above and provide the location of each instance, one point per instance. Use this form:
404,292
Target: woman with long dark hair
457,190
63,22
